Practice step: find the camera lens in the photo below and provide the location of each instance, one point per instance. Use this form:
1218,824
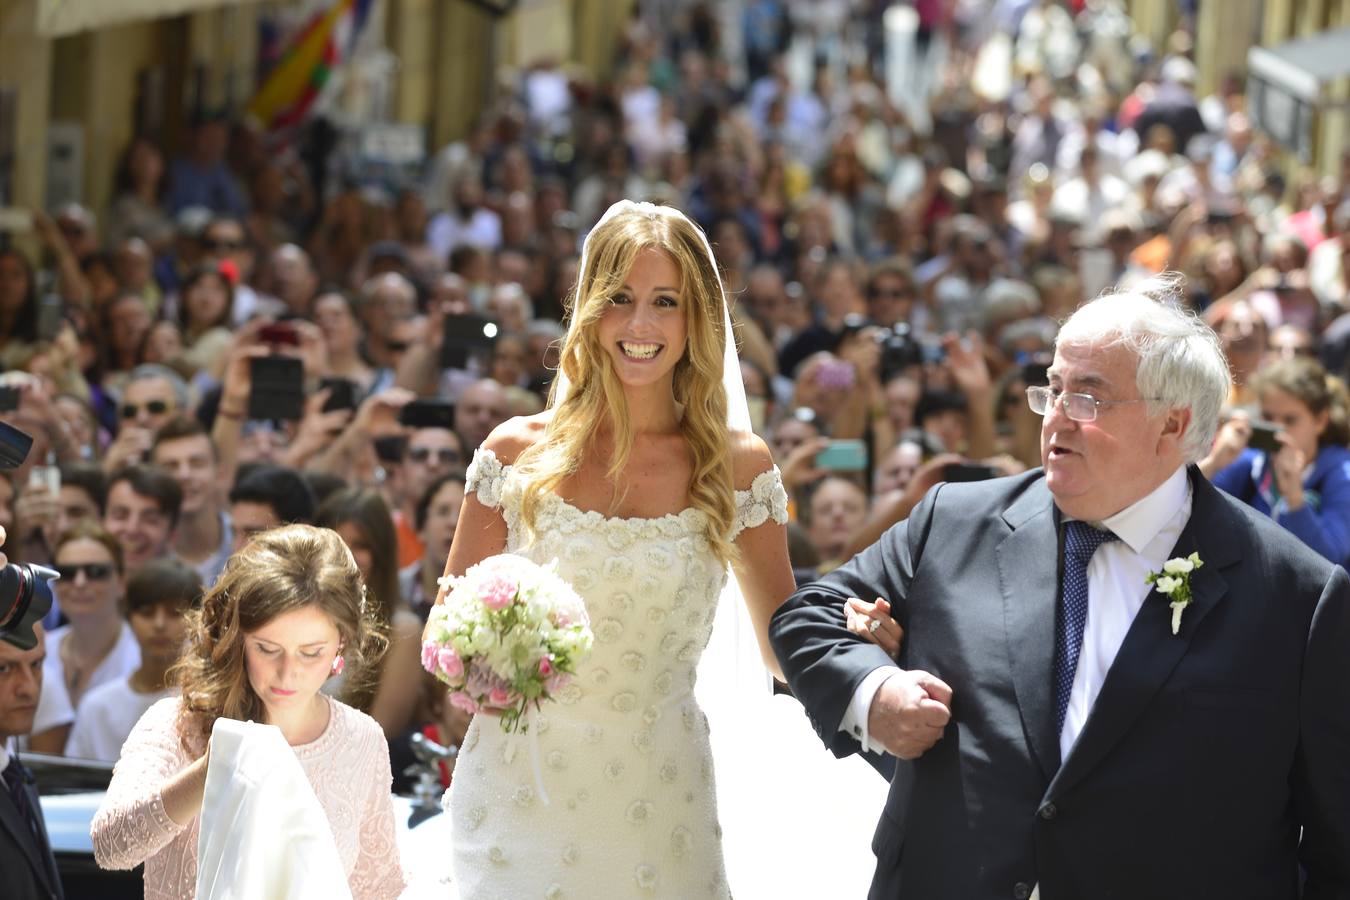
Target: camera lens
24,600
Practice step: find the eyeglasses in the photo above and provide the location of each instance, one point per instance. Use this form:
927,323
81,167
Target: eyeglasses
1079,407
444,455
92,571
153,407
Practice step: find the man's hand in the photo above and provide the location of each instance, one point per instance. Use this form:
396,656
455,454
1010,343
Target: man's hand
800,466
909,712
965,361
377,415
316,430
131,446
36,511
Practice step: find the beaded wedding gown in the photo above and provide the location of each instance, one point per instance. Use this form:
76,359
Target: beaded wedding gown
624,755
612,793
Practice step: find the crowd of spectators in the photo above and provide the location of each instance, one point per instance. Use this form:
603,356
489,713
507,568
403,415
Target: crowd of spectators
897,268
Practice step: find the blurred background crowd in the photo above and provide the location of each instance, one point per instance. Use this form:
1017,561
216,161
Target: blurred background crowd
904,199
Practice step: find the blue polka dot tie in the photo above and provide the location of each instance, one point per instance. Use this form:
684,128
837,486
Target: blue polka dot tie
1081,540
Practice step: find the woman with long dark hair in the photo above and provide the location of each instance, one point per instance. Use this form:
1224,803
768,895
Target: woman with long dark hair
389,689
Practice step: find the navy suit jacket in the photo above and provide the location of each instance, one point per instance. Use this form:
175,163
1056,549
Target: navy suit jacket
27,870
1213,762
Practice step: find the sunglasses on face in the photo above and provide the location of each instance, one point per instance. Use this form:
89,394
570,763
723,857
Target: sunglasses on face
92,571
444,455
154,408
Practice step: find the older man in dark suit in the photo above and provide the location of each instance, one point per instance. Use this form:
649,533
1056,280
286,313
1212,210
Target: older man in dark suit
27,867
1070,725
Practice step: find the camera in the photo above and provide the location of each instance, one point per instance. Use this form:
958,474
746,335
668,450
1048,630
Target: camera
24,595
899,349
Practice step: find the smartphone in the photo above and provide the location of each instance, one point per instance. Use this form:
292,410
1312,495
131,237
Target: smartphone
278,390
932,353
9,398
47,477
14,446
1096,270
341,393
389,449
51,313
279,333
428,413
1264,437
957,472
837,374
463,335
843,456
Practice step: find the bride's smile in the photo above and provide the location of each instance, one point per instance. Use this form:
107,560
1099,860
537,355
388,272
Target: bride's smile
644,330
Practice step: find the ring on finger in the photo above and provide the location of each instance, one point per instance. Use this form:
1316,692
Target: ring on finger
874,625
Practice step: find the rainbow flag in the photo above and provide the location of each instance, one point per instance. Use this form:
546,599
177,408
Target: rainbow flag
299,77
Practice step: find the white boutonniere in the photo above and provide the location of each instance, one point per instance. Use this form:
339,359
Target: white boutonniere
1174,582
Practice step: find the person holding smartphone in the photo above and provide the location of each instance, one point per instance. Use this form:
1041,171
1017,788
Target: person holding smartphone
1293,466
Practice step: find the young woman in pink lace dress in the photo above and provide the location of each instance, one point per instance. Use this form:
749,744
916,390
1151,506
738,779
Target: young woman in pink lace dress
287,613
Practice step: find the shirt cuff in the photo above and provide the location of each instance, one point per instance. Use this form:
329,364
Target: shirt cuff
854,723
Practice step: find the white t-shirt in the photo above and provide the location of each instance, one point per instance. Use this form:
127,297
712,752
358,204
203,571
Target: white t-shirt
54,706
106,716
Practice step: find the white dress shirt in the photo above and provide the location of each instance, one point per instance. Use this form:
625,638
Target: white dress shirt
1148,530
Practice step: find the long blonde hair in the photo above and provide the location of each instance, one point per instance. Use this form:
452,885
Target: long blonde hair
276,572
595,395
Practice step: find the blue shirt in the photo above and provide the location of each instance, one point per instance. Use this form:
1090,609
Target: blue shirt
1323,522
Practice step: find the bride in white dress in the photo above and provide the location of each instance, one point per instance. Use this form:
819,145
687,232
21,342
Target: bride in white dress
635,483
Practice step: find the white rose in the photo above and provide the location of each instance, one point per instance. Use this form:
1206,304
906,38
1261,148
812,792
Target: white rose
1167,584
1178,566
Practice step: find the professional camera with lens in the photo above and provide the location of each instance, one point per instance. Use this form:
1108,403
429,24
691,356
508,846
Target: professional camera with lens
24,595
899,349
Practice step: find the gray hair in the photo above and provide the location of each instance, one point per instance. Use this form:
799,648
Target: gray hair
147,371
388,280
1180,360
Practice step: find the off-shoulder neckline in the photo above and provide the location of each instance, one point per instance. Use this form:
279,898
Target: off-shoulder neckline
597,515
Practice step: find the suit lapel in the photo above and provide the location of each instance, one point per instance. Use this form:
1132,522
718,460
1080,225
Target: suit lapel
1150,651
14,823
1030,592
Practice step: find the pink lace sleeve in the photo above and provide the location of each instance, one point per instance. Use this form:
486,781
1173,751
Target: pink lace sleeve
131,825
378,873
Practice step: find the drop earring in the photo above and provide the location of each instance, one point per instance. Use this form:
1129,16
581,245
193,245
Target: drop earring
338,664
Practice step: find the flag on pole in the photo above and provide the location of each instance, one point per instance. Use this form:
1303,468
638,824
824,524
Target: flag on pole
324,43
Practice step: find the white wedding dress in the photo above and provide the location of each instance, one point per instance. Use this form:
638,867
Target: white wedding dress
624,756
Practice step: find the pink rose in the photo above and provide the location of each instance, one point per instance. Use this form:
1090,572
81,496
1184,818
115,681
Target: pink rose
498,592
545,667
499,696
464,702
429,651
450,663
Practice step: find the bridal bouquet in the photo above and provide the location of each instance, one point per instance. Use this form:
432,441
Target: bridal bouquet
508,635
